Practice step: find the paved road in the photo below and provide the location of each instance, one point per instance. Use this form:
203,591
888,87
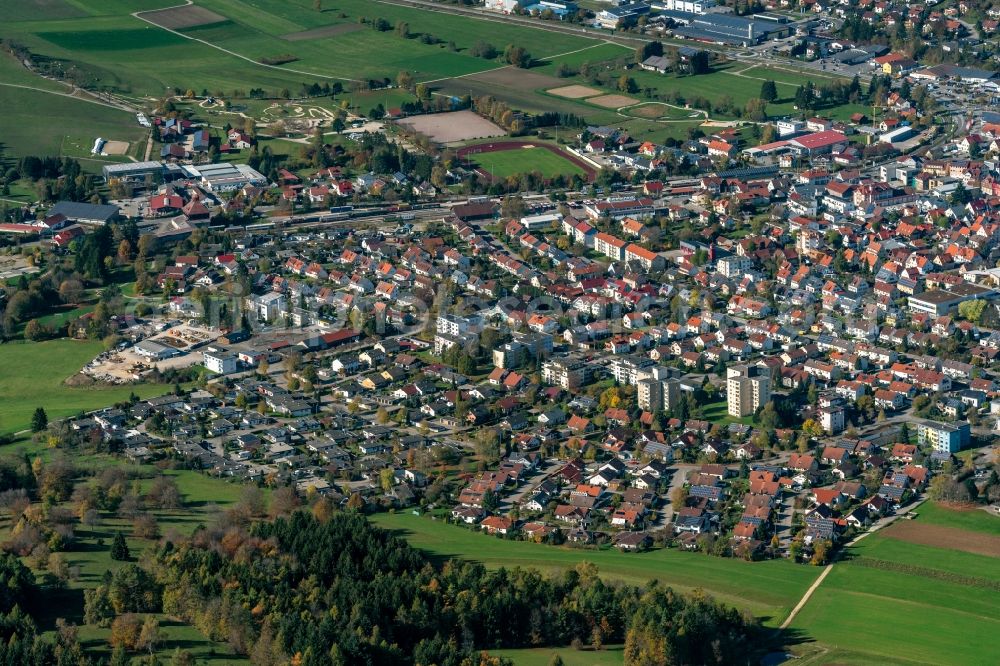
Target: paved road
783,527
525,491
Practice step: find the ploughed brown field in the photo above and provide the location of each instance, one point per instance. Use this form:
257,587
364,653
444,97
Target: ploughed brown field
516,79
178,18
941,536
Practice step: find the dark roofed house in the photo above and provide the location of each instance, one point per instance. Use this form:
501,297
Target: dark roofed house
474,211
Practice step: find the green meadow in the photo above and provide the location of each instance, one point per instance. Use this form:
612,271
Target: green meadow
934,608
108,48
974,520
67,128
768,589
112,40
33,375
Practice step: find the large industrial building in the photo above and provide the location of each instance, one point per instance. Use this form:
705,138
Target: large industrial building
728,29
224,177
85,213
132,171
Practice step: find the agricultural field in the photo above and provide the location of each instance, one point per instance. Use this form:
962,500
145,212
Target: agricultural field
219,46
865,612
889,591
768,589
12,73
33,376
142,69
597,53
269,28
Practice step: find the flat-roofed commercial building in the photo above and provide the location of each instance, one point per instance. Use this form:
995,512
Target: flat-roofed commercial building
937,302
132,171
225,177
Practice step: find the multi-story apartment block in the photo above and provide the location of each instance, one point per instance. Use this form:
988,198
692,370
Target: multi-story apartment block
747,389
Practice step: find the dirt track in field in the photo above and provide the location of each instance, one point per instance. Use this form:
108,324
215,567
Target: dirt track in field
941,536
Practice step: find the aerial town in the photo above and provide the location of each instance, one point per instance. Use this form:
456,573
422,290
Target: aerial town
705,328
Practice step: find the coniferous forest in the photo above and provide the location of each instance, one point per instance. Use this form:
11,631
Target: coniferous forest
340,591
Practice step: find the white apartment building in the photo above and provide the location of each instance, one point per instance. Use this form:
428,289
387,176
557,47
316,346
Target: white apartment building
747,388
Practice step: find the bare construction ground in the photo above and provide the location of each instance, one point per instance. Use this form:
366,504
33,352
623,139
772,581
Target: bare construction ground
612,101
325,31
178,18
648,111
574,92
453,127
115,147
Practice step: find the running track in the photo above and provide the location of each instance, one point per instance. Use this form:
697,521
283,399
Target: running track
497,146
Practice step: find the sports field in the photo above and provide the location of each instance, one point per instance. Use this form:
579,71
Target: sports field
504,163
32,376
768,589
